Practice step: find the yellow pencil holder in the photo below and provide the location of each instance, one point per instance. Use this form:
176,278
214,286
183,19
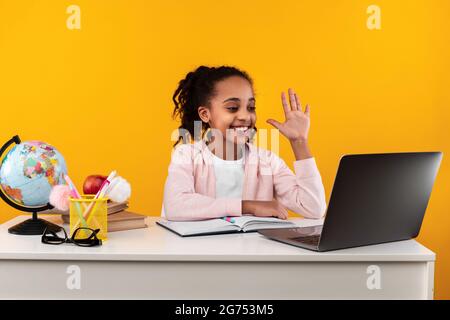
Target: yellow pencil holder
90,213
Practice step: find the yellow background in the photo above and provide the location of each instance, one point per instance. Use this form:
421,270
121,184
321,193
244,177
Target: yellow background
102,94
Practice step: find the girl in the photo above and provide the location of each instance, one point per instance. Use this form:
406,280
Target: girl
224,174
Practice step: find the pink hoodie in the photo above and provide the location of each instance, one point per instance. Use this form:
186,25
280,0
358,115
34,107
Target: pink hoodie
189,191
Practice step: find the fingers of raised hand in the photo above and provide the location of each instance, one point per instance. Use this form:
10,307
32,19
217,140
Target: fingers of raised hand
293,99
275,123
297,100
286,107
307,110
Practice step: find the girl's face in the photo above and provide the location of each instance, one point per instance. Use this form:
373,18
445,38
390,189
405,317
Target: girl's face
232,110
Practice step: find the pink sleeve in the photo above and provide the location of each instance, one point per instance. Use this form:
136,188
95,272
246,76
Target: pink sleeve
182,203
301,192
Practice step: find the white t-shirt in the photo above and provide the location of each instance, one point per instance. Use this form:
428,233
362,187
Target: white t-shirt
229,177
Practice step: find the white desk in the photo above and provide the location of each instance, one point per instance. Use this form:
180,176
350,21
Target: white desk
155,263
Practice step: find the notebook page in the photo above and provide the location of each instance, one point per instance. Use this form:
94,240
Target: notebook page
292,223
248,221
202,226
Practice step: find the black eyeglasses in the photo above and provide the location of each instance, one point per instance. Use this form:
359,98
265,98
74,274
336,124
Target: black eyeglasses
83,237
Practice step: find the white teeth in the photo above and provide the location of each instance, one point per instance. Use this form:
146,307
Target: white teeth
240,128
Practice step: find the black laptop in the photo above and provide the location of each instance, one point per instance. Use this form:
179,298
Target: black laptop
376,198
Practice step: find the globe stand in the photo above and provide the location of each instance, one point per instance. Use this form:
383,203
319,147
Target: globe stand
33,226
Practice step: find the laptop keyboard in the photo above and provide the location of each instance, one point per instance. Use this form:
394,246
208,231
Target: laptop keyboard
312,240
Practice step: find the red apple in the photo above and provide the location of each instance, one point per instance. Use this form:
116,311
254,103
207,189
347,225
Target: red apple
93,183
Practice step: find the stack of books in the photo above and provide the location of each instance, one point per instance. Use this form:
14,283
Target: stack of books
119,218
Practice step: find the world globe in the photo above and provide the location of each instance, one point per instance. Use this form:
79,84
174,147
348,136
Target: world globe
27,174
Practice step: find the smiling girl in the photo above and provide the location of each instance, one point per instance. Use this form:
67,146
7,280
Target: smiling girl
222,173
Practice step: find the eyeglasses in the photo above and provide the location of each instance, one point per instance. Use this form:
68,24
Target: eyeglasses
83,237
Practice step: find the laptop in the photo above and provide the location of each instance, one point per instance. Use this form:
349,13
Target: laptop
376,198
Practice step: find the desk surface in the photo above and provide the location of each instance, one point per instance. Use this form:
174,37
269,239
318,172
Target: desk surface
158,244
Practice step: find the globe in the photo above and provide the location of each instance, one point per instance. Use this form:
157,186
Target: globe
27,174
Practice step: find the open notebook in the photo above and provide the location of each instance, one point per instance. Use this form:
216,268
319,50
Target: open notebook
217,226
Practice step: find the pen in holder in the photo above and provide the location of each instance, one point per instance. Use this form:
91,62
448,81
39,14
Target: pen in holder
97,217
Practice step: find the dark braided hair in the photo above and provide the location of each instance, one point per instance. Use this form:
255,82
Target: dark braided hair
196,90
